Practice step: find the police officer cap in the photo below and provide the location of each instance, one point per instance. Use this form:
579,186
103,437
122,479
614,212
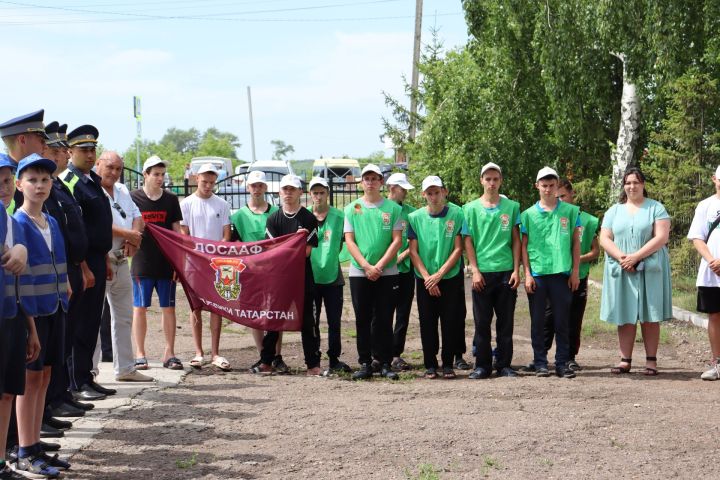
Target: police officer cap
62,131
53,135
29,123
6,161
35,160
83,136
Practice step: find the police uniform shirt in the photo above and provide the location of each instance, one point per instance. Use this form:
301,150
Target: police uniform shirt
63,207
96,212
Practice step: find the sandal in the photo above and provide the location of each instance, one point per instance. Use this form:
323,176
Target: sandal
431,373
448,373
173,363
650,371
197,361
221,363
619,370
141,363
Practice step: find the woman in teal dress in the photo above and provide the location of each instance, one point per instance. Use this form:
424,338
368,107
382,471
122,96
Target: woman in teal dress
636,280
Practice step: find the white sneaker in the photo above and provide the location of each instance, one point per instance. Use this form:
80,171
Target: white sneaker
134,376
712,374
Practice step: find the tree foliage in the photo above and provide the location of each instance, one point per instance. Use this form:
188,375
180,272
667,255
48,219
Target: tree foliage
281,149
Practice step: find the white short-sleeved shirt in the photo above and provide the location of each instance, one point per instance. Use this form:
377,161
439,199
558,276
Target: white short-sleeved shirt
121,204
705,214
9,243
205,217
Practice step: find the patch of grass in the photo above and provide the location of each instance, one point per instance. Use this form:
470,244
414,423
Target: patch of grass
489,463
425,471
406,376
546,462
414,355
349,332
188,463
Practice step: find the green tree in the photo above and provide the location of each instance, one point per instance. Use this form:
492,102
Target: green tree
282,149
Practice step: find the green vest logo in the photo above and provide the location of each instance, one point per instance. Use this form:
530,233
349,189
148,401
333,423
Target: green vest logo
449,228
504,222
386,220
327,235
582,230
564,224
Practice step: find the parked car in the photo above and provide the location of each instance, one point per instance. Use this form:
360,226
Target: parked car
221,163
339,170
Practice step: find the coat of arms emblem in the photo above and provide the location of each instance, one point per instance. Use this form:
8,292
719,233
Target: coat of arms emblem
227,277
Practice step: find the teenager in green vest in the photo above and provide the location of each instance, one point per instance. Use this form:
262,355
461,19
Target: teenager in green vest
551,256
373,234
435,250
249,226
589,252
492,246
325,260
398,187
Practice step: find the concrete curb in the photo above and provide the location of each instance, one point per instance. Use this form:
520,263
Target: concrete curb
85,428
678,313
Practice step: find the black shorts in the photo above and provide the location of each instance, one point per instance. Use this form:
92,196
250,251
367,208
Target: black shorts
708,299
51,332
13,341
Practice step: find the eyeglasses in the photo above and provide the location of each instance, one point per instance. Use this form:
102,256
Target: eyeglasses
117,207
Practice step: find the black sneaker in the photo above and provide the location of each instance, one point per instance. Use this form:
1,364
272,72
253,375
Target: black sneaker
376,366
387,372
279,365
35,466
363,373
574,366
530,367
564,372
461,364
7,473
339,367
506,372
541,371
57,423
479,373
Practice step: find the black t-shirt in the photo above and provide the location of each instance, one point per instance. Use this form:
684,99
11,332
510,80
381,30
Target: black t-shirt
279,224
163,212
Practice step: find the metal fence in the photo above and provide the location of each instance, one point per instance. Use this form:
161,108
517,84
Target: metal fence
234,191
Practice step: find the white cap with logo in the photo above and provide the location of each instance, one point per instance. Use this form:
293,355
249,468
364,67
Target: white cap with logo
717,172
153,161
207,168
256,176
399,179
490,166
371,168
547,172
431,181
318,181
290,180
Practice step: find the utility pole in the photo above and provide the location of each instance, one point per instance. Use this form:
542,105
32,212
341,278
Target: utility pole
252,129
415,72
138,120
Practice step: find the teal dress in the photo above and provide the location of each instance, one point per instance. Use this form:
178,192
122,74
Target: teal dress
644,295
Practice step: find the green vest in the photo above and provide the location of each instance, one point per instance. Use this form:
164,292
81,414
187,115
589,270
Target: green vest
436,238
405,265
325,258
491,233
250,225
550,237
10,209
588,229
373,229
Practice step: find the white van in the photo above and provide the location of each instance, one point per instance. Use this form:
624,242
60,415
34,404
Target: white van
340,170
221,163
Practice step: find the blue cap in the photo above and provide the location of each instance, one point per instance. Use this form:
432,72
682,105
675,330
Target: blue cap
6,161
29,123
83,136
35,160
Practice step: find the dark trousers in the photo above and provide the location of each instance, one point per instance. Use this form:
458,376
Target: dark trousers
577,312
59,380
332,295
555,288
310,335
460,347
87,324
406,292
374,303
497,297
106,332
444,308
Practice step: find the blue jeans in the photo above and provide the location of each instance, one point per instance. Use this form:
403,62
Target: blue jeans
554,288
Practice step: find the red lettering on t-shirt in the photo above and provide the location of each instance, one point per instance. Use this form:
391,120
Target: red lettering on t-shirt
154,217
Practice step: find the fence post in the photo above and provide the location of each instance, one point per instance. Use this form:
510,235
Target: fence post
332,196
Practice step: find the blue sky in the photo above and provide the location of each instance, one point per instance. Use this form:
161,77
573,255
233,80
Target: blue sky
316,67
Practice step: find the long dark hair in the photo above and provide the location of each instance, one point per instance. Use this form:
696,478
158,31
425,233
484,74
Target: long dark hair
640,176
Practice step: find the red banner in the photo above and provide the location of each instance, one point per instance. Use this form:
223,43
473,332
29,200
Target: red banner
258,284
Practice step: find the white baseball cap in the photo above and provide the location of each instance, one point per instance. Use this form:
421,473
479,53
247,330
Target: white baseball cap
717,172
371,168
547,172
153,161
290,180
256,176
490,166
318,181
207,168
431,181
399,179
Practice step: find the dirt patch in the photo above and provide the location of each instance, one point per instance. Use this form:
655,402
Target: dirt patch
236,425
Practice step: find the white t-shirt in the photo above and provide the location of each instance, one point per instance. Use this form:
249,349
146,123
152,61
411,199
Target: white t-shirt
124,211
47,235
9,237
705,214
205,217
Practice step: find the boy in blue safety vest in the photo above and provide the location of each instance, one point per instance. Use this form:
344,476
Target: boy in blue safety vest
46,301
